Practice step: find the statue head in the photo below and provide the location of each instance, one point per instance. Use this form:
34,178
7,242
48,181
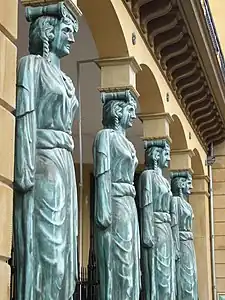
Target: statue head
52,29
181,183
119,109
157,154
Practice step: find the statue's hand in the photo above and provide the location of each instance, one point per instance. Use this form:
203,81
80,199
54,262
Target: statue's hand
148,243
23,185
151,243
104,223
177,255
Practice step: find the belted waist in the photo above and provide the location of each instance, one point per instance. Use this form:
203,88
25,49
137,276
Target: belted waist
121,189
186,235
50,139
162,217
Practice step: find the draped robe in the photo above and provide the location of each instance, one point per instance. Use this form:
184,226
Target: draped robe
117,232
45,200
158,260
187,283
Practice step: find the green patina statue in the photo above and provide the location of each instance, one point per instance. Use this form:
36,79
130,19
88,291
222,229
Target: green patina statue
187,285
156,222
45,213
117,232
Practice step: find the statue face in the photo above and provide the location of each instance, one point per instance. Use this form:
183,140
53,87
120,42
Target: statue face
128,115
188,186
64,37
164,158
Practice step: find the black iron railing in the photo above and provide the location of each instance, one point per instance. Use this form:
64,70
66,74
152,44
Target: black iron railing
88,284
87,288
213,34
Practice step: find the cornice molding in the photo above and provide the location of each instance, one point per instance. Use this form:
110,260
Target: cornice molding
165,29
156,116
119,61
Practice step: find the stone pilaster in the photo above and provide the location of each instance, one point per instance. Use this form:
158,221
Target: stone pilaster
219,213
199,201
8,52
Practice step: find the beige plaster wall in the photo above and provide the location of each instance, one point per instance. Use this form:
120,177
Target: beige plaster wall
8,35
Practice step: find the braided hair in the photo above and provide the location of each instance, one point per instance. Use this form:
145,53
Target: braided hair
112,113
42,33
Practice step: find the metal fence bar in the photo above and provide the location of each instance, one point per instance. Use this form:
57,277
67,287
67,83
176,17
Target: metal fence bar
213,35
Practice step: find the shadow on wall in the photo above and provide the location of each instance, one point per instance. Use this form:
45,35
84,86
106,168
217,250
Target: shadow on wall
150,100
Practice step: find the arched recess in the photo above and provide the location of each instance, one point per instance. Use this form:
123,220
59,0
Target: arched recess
196,163
150,99
105,27
179,141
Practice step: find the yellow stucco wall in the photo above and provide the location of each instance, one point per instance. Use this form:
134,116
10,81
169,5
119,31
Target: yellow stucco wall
8,34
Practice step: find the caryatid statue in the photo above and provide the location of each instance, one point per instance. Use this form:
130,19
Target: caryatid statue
187,283
117,232
45,213
156,214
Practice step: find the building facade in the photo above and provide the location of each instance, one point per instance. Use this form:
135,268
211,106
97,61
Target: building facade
171,53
